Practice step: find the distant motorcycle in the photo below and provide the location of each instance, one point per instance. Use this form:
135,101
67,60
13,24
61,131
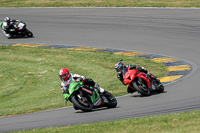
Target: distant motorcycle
84,99
141,82
18,29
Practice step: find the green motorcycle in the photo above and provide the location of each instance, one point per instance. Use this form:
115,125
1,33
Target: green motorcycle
1,24
86,98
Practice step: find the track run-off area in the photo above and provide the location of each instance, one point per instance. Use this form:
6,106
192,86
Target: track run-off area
165,35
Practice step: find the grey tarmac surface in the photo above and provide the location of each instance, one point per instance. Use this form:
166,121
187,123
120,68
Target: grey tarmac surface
164,31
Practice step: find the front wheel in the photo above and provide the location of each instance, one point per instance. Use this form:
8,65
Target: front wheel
142,88
82,103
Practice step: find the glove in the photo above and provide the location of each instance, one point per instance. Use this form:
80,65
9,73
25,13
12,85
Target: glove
64,90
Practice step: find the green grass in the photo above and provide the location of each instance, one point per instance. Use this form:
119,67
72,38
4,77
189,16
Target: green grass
29,76
30,82
100,3
188,122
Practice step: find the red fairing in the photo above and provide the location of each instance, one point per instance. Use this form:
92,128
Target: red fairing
144,77
130,75
134,75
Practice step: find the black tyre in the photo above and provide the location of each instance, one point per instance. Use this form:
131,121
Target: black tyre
29,33
141,88
161,89
76,108
82,104
112,101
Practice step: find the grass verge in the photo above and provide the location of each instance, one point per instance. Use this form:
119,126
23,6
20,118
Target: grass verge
187,122
30,82
100,3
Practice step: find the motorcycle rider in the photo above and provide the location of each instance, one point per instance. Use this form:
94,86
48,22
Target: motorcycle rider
6,25
9,25
123,69
67,78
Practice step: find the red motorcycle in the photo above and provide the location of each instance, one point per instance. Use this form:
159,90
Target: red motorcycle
141,82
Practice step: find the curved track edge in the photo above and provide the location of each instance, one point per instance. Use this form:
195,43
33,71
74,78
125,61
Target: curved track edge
177,68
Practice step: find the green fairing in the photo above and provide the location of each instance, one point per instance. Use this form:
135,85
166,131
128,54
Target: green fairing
93,98
1,23
74,87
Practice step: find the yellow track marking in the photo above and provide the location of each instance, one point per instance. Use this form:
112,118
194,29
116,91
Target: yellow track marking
167,59
170,78
29,45
179,68
130,53
84,48
133,53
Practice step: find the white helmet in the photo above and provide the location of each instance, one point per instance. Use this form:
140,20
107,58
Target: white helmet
7,20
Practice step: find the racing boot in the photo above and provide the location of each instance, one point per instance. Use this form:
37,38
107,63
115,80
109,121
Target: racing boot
153,77
150,75
103,92
100,90
157,83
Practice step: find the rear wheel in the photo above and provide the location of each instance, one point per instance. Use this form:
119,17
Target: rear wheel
29,33
112,101
161,89
141,87
82,103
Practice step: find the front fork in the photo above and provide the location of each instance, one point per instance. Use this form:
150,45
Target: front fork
145,86
81,98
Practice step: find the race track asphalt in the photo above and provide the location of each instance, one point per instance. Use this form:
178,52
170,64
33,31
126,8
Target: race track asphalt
169,32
